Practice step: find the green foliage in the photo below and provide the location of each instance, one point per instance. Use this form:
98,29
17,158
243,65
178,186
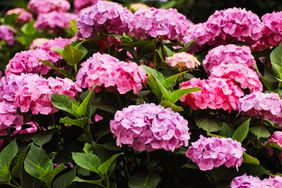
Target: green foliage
144,181
276,61
242,131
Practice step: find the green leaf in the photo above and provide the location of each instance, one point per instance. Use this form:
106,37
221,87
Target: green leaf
242,131
72,55
58,50
256,170
42,137
95,182
168,51
51,174
190,166
73,26
29,29
275,146
154,87
144,181
260,132
81,122
171,81
65,180
160,53
276,61
187,46
63,102
250,159
104,167
82,109
6,157
17,170
208,124
226,130
177,94
156,74
88,161
59,70
174,107
37,163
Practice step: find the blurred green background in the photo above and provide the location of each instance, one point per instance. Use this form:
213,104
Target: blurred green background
196,10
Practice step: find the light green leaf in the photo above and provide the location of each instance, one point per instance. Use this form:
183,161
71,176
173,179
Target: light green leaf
171,81
260,132
29,29
104,167
95,182
154,87
63,102
59,70
72,55
156,74
82,109
276,61
73,26
187,46
144,181
177,94
65,180
51,174
168,51
87,161
208,124
81,122
242,131
250,159
174,107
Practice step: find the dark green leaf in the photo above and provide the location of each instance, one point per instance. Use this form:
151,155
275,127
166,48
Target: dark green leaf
208,124
260,132
51,174
65,180
59,70
154,87
17,170
104,167
144,181
177,94
242,131
250,159
226,130
276,61
88,161
187,46
42,137
190,166
95,182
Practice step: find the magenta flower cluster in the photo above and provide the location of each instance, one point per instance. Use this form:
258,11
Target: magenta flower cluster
103,70
246,181
276,138
263,105
159,23
216,93
54,21
81,4
45,6
104,16
23,16
210,153
7,34
149,127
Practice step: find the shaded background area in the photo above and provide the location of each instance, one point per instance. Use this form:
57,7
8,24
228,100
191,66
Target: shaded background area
196,10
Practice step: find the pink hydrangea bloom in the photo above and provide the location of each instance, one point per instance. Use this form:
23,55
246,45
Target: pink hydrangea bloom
246,181
54,43
98,118
210,153
229,54
234,24
244,76
80,4
273,182
7,34
149,127
276,138
35,93
23,15
45,6
183,61
272,31
103,17
28,62
9,118
216,93
38,42
262,105
198,34
159,23
8,87
54,21
105,70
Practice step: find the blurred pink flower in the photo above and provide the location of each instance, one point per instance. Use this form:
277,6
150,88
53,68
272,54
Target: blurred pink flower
23,15
45,6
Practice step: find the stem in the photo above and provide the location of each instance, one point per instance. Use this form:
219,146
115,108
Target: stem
16,183
155,54
149,162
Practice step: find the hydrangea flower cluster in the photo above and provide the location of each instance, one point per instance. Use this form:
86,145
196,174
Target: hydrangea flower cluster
244,76
246,181
229,54
54,43
54,21
104,16
37,42
81,4
276,138
23,15
28,62
105,70
45,6
234,24
198,34
210,153
182,61
264,105
149,127
159,23
272,31
216,93
7,34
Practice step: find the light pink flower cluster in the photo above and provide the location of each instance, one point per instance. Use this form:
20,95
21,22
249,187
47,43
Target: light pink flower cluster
264,105
149,127
104,17
210,153
38,42
229,54
23,15
198,34
244,76
159,23
105,70
54,21
45,6
216,93
246,181
276,138
28,62
7,34
81,4
48,47
34,93
183,61
272,31
234,24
